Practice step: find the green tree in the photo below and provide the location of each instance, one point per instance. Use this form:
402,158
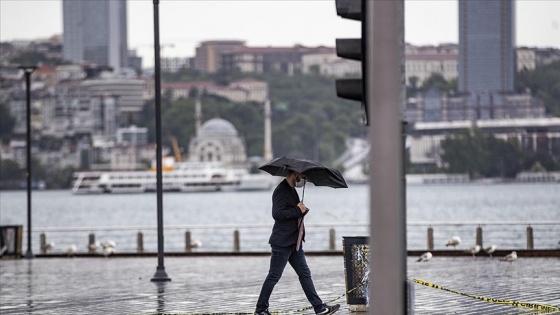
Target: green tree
60,178
50,143
541,160
544,83
412,88
465,152
483,155
505,158
437,80
296,137
10,170
7,122
35,58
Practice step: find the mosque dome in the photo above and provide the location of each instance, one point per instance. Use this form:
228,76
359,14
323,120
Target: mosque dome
217,127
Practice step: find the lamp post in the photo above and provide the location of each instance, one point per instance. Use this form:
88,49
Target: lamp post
160,274
27,71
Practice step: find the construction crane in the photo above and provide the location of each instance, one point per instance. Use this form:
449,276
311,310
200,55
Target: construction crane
161,46
176,150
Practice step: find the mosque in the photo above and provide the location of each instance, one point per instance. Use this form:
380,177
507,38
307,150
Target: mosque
217,140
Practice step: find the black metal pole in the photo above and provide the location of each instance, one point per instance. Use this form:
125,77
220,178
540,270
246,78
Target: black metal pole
28,70
160,274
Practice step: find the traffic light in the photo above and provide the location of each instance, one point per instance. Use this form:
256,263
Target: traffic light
354,49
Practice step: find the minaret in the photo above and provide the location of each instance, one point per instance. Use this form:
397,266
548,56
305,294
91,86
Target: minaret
197,112
267,130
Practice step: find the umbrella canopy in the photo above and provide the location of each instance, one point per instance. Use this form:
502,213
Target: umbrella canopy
314,172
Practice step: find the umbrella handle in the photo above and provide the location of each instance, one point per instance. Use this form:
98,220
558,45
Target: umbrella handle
303,193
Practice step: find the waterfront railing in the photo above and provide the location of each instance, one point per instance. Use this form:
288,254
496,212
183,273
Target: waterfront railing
510,235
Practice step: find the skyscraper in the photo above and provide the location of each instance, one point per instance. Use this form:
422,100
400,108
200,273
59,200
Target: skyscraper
96,32
486,53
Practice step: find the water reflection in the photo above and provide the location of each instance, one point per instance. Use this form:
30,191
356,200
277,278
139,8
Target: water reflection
160,297
29,273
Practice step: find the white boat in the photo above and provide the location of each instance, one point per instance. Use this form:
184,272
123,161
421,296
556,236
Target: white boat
181,177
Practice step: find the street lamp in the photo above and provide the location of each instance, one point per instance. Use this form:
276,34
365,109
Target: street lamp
27,71
160,274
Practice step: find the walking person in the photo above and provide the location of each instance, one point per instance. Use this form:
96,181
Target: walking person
286,240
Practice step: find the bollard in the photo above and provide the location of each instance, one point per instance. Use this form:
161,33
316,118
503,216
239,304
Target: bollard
332,244
140,242
430,238
410,297
236,241
188,246
43,243
530,244
479,236
91,247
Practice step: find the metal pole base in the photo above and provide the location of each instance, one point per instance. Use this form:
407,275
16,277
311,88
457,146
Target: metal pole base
29,255
160,275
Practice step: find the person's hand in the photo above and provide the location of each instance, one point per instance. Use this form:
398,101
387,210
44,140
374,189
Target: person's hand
302,207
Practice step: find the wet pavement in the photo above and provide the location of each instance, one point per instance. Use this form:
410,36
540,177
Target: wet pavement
206,284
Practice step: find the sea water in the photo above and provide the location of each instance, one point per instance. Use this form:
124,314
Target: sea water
211,218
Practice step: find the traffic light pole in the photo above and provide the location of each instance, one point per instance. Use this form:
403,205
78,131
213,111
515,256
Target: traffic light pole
384,96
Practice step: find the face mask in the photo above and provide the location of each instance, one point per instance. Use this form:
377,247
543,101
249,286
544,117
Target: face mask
300,183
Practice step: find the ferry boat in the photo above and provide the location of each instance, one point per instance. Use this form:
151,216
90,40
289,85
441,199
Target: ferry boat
182,177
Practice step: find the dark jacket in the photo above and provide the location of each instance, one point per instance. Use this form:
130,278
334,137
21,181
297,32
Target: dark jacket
285,213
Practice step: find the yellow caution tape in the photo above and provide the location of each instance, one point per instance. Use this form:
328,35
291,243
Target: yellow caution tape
540,308
526,305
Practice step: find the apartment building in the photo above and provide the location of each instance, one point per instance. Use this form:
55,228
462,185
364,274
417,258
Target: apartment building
245,90
175,64
264,59
423,61
208,54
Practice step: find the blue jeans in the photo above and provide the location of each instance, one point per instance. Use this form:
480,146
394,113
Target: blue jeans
278,260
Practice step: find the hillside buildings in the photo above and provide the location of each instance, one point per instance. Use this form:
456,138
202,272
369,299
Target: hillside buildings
97,107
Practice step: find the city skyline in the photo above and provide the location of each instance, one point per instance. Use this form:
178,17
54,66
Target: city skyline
288,23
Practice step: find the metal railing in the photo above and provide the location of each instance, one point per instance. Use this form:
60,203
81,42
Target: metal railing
319,236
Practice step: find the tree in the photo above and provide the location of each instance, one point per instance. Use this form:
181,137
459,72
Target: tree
465,152
544,83
11,170
437,80
505,158
61,178
479,154
412,88
7,122
35,58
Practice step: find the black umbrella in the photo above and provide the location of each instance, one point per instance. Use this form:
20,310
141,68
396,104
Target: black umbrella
281,166
314,172
325,177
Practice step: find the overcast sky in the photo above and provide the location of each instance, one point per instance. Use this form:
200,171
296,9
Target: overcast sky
185,23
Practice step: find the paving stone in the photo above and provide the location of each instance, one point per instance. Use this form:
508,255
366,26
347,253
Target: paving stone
232,284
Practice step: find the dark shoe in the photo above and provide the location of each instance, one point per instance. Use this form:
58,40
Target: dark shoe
265,312
328,309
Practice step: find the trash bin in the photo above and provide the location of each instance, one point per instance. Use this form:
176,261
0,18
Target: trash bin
356,270
10,241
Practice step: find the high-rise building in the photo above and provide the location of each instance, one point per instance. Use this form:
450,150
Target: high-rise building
95,32
487,58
